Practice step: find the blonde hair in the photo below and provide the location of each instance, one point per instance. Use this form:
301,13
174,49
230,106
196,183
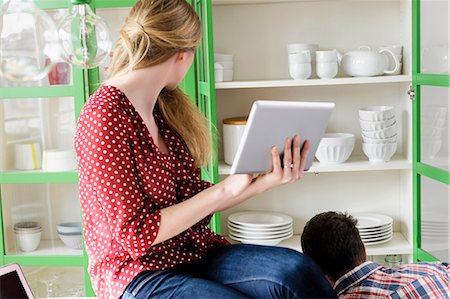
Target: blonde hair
154,31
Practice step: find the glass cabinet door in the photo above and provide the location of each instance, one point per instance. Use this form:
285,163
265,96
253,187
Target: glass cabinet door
431,129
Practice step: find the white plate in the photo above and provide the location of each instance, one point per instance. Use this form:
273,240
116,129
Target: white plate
253,237
376,238
259,233
258,229
375,229
375,232
372,220
261,242
260,219
379,242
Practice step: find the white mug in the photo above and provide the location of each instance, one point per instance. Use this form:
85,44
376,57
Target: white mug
59,160
327,70
27,156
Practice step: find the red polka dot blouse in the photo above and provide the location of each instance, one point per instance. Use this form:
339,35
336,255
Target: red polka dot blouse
124,182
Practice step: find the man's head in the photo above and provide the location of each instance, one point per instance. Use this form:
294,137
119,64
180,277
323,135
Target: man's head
333,241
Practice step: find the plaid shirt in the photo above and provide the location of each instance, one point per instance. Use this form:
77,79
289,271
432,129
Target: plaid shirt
420,280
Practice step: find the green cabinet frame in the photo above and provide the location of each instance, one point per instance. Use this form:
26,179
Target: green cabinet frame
421,169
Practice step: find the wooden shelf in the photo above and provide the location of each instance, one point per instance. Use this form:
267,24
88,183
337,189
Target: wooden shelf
355,163
398,245
312,82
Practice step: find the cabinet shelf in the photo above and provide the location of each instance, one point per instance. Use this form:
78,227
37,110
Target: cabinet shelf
38,92
49,253
398,245
312,82
356,163
39,176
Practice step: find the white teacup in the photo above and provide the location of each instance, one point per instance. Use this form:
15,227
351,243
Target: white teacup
327,56
300,71
27,156
300,57
327,70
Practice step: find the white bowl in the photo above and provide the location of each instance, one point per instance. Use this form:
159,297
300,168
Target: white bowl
218,57
376,125
28,241
59,160
381,134
391,139
335,148
434,111
430,131
376,113
27,226
379,152
300,57
299,47
300,71
434,122
227,65
69,228
74,241
227,75
429,148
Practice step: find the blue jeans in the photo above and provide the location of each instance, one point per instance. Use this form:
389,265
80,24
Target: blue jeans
236,271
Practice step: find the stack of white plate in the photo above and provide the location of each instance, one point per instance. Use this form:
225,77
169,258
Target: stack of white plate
263,228
374,228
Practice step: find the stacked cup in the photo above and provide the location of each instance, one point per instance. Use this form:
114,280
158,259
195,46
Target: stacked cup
223,67
28,235
327,64
379,132
433,120
299,66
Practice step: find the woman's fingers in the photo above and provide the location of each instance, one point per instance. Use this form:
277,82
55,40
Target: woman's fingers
304,155
287,159
296,157
276,161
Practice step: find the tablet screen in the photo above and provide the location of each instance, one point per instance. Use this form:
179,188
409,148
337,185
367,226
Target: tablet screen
11,286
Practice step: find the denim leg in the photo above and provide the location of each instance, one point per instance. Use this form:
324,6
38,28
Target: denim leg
267,272
177,283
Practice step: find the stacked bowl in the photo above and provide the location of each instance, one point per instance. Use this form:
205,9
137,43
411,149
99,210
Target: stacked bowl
70,234
264,228
28,235
223,67
379,132
433,120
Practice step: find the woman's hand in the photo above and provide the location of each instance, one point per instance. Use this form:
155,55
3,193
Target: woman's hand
237,188
291,170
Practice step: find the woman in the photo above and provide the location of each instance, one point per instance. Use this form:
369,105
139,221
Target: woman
139,144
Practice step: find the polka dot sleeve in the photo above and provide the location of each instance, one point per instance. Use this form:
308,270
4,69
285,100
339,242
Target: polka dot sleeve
109,165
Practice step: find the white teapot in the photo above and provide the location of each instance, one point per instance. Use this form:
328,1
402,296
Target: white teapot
368,63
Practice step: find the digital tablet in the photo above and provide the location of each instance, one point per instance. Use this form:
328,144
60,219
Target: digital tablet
13,283
270,123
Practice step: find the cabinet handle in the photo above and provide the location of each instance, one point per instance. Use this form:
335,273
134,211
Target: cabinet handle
412,93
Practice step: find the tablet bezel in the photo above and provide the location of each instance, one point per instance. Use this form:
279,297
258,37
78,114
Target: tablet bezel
247,161
14,267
